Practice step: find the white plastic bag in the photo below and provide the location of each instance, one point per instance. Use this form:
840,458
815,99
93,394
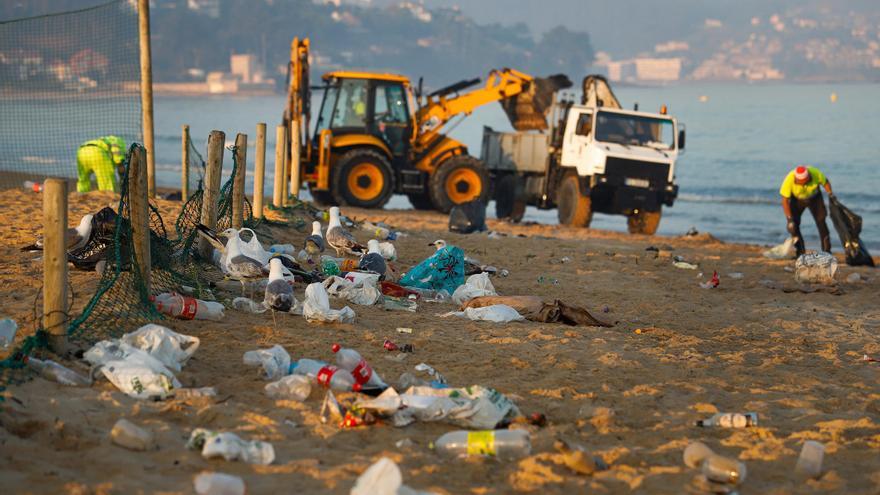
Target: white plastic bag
253,248
388,251
815,268
218,484
383,478
275,361
475,286
139,380
317,306
164,344
497,313
784,251
230,447
363,293
296,387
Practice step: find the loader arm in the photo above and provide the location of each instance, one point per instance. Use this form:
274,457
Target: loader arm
298,91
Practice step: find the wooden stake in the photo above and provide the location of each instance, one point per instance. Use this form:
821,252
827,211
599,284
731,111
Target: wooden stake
284,183
277,199
259,170
184,164
213,168
147,92
140,212
238,182
55,263
294,158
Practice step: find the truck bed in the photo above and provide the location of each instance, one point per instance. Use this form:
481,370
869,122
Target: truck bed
514,151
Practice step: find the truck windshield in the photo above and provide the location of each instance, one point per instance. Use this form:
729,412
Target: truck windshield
635,130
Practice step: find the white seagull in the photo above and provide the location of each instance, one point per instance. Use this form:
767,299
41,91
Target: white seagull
314,244
279,293
339,238
76,237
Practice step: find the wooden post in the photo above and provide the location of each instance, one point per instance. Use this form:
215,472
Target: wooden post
238,181
55,263
294,158
147,92
140,212
259,170
277,191
284,183
184,164
213,168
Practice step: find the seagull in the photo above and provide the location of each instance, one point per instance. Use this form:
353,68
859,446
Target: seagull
279,294
339,238
373,260
314,244
439,244
238,265
76,237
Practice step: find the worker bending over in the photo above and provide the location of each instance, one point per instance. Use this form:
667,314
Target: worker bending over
101,157
799,191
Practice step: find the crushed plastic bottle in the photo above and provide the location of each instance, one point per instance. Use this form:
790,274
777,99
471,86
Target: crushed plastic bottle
722,469
329,266
8,328
187,308
248,305
296,387
51,370
194,393
730,420
351,360
809,463
218,484
282,249
230,447
505,444
130,436
325,375
33,186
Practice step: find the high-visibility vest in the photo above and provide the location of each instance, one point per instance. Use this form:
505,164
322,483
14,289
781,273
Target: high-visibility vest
113,145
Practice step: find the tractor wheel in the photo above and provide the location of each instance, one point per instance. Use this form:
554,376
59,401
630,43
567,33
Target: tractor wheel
420,201
508,202
573,208
643,222
458,180
363,178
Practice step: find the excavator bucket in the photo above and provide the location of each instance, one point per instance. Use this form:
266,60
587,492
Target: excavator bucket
528,110
597,93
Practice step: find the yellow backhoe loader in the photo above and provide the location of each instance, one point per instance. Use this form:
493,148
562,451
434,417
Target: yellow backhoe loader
376,135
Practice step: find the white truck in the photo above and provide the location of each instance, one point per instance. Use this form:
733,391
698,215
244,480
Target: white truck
596,157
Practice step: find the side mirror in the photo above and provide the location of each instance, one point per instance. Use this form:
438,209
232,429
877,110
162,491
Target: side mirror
681,139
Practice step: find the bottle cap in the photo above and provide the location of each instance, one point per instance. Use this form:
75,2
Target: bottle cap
336,347
356,387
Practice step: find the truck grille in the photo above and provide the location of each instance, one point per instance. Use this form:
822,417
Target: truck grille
655,173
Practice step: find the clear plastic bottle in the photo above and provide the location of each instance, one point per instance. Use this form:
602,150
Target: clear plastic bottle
51,370
194,393
730,420
696,453
325,375
296,387
282,249
130,436
507,444
350,360
33,186
248,305
809,463
218,484
187,308
722,469
8,327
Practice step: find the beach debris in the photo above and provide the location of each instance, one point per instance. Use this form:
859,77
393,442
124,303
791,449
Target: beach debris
404,443
339,238
187,308
362,292
853,278
712,283
331,410
230,447
692,232
209,483
278,295
684,265
469,217
140,378
437,377
443,270
735,275
351,361
275,361
169,347
496,313
715,468
784,251
391,346
400,303
330,266
383,478
730,420
8,328
130,436
575,457
534,309
543,279
372,260
248,305
394,290
381,231
288,249
388,251
475,286
404,330
818,268
316,307
504,444
869,359
809,463
296,387
325,375
195,393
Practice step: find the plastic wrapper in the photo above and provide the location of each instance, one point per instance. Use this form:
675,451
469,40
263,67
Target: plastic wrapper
317,307
230,447
498,313
475,286
166,345
815,268
275,361
363,292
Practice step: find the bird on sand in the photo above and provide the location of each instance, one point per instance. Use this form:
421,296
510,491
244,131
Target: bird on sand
339,238
237,266
76,237
279,294
314,244
373,261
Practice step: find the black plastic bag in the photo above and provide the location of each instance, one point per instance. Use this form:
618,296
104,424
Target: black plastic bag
468,217
848,226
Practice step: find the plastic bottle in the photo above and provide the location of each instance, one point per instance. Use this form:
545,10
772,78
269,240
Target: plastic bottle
194,393
325,375
506,444
809,463
127,434
218,484
51,370
730,420
348,265
33,186
296,387
329,266
8,327
722,469
282,249
350,360
187,308
248,305
696,453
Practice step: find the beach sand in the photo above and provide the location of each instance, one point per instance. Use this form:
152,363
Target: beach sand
630,393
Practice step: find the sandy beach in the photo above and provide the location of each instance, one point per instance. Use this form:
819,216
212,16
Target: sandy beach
630,393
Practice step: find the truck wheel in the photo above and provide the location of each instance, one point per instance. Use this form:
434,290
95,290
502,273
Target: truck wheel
362,178
420,201
573,208
459,179
508,202
643,222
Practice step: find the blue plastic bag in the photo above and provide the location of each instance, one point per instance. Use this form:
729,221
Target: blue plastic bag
444,270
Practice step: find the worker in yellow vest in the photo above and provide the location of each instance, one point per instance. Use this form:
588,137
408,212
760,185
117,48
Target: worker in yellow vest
800,191
100,157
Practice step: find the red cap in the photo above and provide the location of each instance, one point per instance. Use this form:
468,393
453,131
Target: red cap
801,173
356,387
336,347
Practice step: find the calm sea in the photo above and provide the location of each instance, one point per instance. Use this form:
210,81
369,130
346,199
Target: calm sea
742,140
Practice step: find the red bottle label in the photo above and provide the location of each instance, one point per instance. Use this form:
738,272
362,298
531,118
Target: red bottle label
325,374
362,372
190,306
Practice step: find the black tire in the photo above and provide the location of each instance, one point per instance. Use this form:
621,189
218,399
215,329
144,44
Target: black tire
466,168
509,204
572,207
644,222
362,191
420,201
322,198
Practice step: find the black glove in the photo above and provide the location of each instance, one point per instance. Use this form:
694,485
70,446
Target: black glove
792,228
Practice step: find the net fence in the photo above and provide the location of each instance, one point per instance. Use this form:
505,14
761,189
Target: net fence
66,79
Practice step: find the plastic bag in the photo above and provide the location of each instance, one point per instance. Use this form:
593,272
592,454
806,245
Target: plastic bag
363,293
296,387
443,270
497,313
317,306
388,251
275,361
784,251
468,217
230,447
815,268
848,226
218,484
475,286
253,248
141,379
164,344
